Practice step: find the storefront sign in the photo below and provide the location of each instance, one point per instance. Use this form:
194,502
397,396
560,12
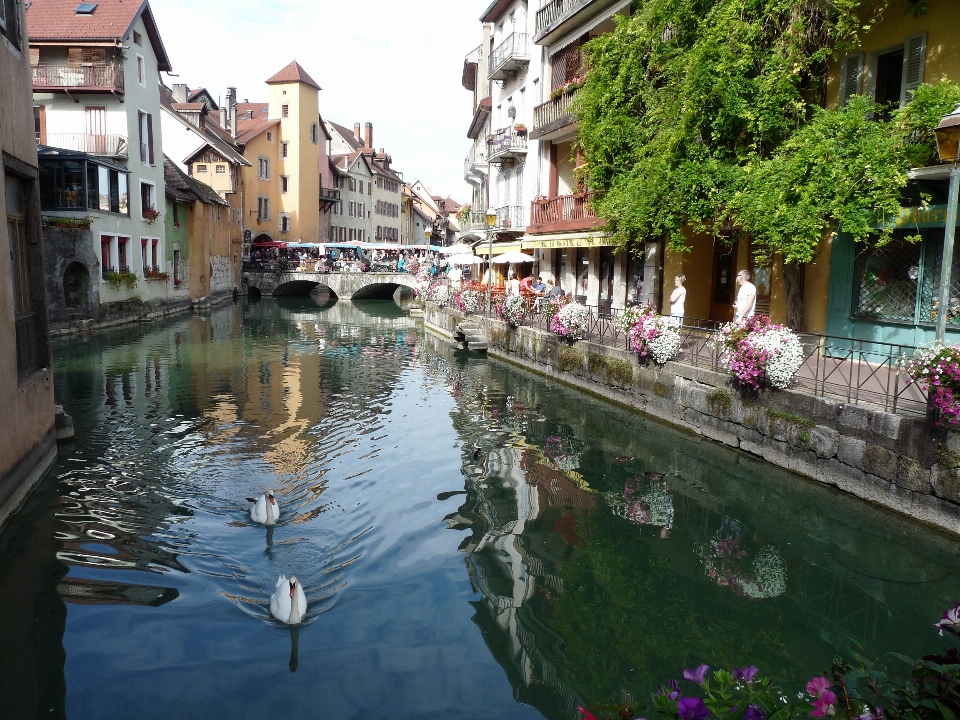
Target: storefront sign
932,216
568,242
497,249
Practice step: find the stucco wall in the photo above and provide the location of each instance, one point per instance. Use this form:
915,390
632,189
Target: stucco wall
903,464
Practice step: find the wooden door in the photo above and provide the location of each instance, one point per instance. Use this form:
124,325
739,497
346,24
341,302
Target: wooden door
723,291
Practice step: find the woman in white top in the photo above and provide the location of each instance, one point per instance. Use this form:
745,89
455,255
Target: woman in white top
677,299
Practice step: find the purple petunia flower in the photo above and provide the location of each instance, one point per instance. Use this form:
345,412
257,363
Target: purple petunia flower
674,690
696,675
950,620
754,713
745,674
692,709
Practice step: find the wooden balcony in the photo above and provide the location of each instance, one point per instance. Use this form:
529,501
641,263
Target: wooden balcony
553,115
113,146
565,213
510,56
78,78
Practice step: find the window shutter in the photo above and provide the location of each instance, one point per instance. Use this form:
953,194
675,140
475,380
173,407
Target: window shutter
34,56
75,56
914,56
150,136
143,146
851,74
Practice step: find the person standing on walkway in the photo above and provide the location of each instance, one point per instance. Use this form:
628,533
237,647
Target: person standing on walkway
677,299
746,297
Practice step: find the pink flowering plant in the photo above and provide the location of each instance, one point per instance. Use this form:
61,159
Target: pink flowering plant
937,368
467,300
930,691
571,322
756,349
513,309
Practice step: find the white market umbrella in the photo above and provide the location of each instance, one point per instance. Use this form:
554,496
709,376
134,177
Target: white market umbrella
513,257
465,260
457,249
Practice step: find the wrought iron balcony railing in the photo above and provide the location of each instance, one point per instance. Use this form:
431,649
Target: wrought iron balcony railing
554,13
509,56
511,217
507,144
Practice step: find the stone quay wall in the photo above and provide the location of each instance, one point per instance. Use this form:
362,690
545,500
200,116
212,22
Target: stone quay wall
904,464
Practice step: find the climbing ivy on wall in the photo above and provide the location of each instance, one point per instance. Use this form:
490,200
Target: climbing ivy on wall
708,114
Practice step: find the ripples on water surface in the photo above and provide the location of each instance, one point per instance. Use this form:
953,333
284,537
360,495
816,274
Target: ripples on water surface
475,542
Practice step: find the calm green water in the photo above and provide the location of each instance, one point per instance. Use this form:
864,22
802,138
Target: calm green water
475,542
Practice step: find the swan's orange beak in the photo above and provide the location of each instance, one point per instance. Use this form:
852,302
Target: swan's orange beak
293,589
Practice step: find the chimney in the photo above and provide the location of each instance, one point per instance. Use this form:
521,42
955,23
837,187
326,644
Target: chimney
232,104
368,128
223,117
356,133
180,92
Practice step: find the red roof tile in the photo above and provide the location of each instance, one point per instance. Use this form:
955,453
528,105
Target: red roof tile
112,20
253,129
293,73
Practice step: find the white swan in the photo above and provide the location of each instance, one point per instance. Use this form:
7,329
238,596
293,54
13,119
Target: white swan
265,509
288,604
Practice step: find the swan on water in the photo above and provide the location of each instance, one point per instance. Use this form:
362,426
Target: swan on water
265,509
288,604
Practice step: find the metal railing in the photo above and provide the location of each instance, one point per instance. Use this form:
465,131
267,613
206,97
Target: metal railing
507,142
555,12
511,217
474,56
106,145
553,110
517,45
565,208
857,372
330,194
86,77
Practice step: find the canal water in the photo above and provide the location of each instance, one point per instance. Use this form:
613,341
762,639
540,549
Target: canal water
474,541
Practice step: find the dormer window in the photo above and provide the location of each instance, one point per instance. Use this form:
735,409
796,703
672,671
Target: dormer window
86,8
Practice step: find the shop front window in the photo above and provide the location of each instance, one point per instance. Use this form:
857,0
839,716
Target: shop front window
635,268
887,280
583,272
930,288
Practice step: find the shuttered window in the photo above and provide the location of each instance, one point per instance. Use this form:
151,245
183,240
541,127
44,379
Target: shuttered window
914,58
851,76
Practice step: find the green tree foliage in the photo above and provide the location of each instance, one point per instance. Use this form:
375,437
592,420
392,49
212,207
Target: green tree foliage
707,113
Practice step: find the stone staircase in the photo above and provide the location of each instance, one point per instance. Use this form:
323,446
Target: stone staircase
472,337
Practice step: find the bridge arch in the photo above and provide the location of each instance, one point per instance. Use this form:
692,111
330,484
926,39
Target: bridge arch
360,286
263,237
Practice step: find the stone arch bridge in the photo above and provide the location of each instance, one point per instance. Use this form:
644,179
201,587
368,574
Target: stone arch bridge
346,286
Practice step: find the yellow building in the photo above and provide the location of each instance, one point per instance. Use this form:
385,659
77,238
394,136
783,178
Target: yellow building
283,140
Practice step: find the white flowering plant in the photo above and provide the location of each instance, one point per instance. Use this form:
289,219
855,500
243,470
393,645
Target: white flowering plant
755,348
571,322
630,316
467,301
655,336
513,309
937,366
441,295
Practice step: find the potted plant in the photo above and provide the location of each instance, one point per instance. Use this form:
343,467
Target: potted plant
155,274
151,214
520,128
122,277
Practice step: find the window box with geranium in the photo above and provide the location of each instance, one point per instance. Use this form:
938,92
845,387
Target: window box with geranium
520,129
151,214
155,274
463,213
120,278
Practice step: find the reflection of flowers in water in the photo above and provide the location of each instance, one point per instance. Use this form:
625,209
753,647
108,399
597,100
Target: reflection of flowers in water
644,502
562,453
725,561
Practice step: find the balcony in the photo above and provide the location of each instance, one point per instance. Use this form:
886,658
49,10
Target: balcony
565,213
475,164
328,198
506,145
559,17
510,56
474,227
112,146
512,218
553,116
78,78
470,65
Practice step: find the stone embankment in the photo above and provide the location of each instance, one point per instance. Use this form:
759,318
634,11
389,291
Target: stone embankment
902,463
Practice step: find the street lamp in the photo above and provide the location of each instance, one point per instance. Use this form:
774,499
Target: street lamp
428,233
491,222
948,145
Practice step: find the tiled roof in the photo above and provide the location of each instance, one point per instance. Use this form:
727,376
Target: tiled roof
347,135
260,112
344,161
293,73
52,20
183,187
215,136
253,129
188,107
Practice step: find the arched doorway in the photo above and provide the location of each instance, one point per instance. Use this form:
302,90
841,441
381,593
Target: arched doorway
76,287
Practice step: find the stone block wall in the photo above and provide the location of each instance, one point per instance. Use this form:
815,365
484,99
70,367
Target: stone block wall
905,464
